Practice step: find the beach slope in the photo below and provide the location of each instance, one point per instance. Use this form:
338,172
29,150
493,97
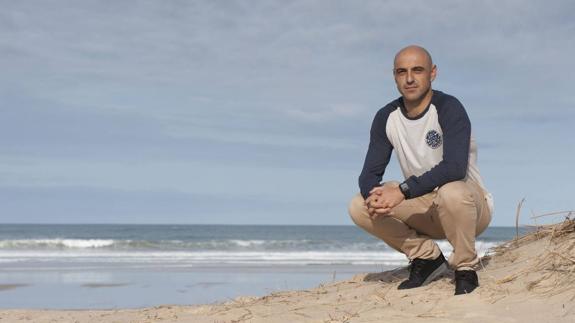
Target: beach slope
530,279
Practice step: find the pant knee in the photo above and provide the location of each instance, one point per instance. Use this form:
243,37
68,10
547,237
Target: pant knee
453,194
356,208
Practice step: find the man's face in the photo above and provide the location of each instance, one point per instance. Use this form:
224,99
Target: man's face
413,73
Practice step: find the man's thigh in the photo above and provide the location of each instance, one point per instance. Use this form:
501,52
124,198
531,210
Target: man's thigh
420,214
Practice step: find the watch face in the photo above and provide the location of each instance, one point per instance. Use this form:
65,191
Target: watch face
404,189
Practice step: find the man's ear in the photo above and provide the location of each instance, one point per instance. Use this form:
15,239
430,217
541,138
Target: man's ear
433,72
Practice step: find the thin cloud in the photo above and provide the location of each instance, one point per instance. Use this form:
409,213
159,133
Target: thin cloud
273,84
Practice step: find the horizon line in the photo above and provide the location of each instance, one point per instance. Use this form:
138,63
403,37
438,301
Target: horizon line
216,224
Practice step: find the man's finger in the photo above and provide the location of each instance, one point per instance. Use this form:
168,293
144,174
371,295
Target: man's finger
377,205
373,202
376,190
373,195
383,211
368,200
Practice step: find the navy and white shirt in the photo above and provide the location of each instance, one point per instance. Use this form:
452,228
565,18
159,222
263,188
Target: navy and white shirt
433,148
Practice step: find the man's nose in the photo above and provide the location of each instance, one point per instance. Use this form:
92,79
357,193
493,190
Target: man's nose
409,79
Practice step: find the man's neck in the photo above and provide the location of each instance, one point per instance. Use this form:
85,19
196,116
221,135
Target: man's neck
415,108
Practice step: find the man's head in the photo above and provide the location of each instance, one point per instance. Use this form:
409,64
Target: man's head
413,71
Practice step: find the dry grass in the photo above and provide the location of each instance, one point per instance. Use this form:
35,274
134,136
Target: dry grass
552,231
551,271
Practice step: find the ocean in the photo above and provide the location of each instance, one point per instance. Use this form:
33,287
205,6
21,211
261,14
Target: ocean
119,266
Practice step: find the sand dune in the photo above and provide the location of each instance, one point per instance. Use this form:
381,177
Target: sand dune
530,279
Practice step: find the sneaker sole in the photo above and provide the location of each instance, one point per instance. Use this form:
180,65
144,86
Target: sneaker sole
436,273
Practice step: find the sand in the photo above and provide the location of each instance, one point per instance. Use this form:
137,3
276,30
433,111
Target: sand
531,279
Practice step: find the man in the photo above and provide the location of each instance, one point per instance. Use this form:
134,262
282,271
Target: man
442,196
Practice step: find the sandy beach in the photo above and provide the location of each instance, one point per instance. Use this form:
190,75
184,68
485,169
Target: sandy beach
530,279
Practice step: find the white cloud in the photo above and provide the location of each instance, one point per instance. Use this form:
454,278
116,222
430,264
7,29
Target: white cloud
116,75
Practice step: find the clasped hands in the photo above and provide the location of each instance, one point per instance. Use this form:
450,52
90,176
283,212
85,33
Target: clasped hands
382,200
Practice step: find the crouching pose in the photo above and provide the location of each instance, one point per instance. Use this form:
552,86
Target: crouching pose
442,196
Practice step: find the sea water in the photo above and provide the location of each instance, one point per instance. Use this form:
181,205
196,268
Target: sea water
119,266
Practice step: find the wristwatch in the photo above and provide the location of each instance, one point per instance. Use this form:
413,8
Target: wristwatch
404,188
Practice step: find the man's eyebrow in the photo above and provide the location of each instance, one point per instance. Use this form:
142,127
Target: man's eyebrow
410,68
414,68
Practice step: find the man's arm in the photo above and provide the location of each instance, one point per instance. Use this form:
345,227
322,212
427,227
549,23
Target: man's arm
378,153
456,129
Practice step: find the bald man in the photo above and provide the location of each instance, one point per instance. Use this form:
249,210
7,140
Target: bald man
442,195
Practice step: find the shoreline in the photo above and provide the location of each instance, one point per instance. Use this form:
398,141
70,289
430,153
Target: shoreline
528,280
127,288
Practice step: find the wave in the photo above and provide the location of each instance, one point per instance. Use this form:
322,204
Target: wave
222,257
230,245
55,243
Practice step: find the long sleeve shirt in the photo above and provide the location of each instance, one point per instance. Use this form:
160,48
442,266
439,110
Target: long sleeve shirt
433,148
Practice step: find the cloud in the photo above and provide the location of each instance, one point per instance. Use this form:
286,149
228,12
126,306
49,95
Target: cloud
261,53
347,111
79,204
274,84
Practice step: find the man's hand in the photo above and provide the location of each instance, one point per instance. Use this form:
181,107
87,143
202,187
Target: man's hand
382,199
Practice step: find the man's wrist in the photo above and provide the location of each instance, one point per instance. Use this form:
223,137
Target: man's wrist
404,188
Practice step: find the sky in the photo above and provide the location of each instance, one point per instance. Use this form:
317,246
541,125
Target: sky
258,112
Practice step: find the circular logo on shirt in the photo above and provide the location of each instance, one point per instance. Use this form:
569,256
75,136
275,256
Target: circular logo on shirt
433,139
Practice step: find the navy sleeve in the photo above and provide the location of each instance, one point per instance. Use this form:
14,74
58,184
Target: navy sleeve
378,153
456,129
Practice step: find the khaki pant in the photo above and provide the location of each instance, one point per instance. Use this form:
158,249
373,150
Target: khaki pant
457,211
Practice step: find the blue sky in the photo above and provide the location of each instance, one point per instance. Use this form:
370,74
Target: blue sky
258,112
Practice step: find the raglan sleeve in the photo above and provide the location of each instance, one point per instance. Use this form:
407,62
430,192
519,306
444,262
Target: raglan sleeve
456,129
378,154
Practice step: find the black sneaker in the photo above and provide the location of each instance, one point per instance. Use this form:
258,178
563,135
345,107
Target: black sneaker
465,281
423,271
